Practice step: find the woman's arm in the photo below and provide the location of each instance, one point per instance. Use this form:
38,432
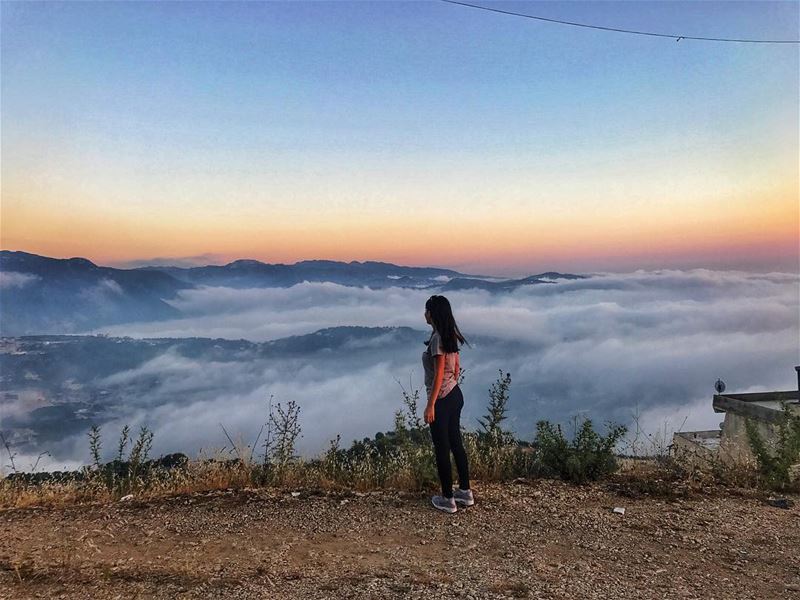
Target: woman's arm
457,369
438,376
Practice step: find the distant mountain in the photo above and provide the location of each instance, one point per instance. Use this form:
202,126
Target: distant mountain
464,283
554,275
40,294
253,273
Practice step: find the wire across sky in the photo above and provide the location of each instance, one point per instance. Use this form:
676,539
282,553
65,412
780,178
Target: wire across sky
673,36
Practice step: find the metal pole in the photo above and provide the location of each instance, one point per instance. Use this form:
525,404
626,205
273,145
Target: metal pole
798,381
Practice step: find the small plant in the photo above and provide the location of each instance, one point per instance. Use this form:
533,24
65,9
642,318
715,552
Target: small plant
587,457
407,452
332,460
650,444
776,460
495,453
493,434
123,442
94,445
498,400
11,453
139,452
410,418
121,476
283,429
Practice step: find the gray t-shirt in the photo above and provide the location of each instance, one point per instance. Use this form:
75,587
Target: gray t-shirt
429,364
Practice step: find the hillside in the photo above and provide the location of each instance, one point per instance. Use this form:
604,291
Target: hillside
540,539
45,295
51,386
246,273
50,295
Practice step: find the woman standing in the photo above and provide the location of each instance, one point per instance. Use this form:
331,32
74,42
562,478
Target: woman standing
445,401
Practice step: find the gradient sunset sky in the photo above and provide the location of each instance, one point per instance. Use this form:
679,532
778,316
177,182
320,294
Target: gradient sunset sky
419,133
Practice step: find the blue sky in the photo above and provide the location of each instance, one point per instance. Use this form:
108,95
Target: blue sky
385,111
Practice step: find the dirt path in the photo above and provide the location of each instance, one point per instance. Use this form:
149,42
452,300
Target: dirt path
543,540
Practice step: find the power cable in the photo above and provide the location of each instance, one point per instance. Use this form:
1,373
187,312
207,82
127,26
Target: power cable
677,38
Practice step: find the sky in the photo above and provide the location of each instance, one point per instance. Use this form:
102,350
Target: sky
418,133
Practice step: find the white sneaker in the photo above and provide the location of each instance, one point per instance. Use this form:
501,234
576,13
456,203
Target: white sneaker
463,497
447,505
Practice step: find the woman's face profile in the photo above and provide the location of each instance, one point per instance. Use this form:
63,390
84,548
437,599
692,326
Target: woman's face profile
427,316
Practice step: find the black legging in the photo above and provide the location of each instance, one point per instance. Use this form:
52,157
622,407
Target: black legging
446,433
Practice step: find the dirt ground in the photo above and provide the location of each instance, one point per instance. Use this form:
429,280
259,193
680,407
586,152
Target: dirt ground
542,539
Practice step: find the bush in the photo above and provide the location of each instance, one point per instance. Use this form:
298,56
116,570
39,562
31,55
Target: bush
588,457
121,477
494,452
776,460
283,429
491,435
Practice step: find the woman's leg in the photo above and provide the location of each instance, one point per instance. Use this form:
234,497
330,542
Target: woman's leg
441,445
456,443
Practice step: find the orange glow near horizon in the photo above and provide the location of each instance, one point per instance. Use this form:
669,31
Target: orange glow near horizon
765,228
140,131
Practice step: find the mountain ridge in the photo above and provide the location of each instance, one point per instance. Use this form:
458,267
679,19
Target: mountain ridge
42,294
308,264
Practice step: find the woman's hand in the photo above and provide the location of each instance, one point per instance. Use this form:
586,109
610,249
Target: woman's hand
430,414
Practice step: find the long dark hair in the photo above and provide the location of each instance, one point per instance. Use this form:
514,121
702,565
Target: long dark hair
445,323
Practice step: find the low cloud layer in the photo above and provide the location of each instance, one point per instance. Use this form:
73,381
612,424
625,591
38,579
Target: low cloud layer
10,279
605,347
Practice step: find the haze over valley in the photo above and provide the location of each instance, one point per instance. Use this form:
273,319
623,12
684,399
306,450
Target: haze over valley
183,350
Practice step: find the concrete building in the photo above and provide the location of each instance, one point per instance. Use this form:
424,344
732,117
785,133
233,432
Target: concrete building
729,443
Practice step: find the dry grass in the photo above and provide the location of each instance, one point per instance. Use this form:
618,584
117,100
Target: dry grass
407,467
636,478
411,468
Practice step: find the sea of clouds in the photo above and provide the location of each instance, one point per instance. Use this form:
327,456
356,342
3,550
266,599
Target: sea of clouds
650,343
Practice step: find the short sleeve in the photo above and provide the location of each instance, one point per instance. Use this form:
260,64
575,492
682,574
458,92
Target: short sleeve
436,345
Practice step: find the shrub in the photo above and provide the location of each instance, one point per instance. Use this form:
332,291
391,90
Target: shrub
415,445
495,453
121,477
95,444
587,457
776,460
492,434
283,429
